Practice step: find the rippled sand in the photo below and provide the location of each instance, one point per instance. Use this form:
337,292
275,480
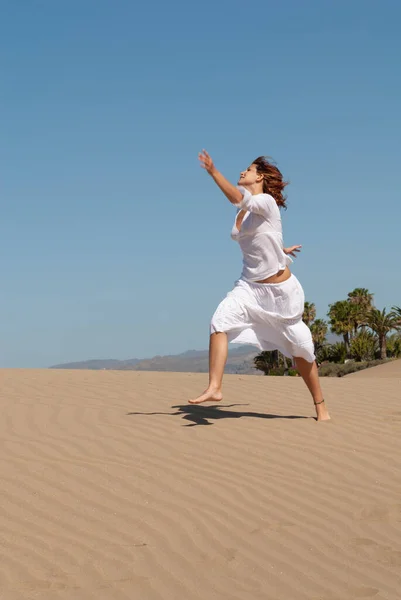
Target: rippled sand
113,487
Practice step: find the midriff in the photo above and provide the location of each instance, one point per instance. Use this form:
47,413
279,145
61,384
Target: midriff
278,277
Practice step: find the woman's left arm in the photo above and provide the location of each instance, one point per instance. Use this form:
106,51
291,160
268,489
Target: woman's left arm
292,250
229,190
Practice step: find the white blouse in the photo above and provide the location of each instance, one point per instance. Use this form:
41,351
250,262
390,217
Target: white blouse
260,237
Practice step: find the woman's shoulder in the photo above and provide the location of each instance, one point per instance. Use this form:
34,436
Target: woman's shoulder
270,201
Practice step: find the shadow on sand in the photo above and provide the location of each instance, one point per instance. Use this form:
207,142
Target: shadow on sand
204,414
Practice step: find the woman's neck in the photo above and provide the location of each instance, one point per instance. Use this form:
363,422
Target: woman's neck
254,188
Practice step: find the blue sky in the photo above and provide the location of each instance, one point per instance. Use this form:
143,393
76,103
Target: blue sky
114,243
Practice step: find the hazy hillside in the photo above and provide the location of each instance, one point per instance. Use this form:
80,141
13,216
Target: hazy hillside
240,360
108,363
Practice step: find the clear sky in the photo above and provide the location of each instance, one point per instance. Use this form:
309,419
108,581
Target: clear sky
114,243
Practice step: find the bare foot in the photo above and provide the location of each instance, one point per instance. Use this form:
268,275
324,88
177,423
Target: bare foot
209,395
322,414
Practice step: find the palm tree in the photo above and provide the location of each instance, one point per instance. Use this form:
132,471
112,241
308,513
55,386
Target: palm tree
266,360
361,299
319,331
341,320
309,313
397,313
381,324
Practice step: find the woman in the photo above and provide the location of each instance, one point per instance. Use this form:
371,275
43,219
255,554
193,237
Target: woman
265,307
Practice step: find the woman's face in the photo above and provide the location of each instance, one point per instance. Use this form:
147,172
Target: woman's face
249,177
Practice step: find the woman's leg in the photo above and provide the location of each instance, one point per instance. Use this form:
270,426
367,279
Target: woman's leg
218,349
309,374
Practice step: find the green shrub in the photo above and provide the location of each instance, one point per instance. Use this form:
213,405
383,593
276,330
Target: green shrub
363,346
323,353
281,371
330,369
337,352
394,345
276,372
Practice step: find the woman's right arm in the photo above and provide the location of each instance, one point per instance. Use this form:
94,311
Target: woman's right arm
229,190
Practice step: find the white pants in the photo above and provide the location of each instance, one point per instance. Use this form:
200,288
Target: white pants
266,315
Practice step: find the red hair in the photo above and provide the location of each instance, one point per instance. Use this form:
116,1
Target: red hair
273,182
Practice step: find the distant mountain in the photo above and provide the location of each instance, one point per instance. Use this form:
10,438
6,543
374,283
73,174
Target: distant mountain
97,365
240,360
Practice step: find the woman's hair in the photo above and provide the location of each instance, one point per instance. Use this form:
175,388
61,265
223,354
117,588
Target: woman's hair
273,182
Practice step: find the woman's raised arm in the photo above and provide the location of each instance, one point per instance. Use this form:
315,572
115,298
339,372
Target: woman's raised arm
228,189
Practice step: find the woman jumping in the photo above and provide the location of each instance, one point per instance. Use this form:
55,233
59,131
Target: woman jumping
265,307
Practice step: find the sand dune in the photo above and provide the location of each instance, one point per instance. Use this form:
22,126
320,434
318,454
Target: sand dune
391,369
113,488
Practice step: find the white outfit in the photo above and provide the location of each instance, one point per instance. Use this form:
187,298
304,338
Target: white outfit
266,315
260,237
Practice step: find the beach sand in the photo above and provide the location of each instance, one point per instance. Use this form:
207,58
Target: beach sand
113,487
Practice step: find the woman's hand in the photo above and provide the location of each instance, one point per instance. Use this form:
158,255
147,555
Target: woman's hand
207,162
292,250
